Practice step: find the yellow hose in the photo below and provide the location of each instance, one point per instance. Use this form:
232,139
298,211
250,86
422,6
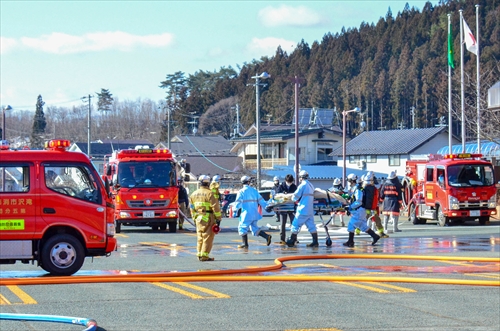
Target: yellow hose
215,275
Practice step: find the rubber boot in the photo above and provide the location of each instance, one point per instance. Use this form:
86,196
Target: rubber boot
266,236
244,239
375,236
386,221
395,225
291,241
315,240
350,241
382,234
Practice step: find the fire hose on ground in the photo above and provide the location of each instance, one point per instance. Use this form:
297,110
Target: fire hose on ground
90,324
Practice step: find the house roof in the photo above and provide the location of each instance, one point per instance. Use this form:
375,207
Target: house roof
281,133
214,165
190,145
488,148
389,141
98,149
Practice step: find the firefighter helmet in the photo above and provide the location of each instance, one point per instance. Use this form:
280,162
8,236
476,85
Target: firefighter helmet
336,181
352,177
216,179
303,174
276,179
204,180
245,180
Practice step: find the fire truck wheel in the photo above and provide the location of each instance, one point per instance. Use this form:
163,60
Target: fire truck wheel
62,255
442,220
163,226
172,227
483,220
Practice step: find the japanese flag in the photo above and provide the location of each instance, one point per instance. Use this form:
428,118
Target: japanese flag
470,41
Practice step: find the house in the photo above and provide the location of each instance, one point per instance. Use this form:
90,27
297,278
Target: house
101,148
207,154
385,151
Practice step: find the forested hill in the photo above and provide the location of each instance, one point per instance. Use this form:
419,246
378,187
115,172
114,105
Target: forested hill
385,68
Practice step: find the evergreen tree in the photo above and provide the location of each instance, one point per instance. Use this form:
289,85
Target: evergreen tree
39,124
105,100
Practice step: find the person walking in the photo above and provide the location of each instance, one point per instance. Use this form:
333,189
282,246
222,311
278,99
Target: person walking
391,195
274,191
183,200
249,199
304,195
338,189
358,214
371,200
288,186
206,212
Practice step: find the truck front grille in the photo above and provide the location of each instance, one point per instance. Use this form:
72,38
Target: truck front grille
154,204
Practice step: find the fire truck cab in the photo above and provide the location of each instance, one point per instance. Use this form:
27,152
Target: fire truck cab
145,187
458,187
54,208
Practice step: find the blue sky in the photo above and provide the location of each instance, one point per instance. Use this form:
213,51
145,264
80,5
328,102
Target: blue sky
64,50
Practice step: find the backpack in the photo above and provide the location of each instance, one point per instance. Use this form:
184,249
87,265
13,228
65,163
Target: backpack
370,197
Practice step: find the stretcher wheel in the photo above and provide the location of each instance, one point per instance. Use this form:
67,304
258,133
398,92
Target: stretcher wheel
328,242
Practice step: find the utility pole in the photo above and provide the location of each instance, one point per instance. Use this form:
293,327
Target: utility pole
88,99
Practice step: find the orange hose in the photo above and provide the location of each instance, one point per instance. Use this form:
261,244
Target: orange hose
214,275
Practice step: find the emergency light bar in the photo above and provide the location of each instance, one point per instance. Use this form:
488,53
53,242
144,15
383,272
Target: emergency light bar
57,144
463,156
143,153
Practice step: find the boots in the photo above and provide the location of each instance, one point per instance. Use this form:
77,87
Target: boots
244,239
291,241
382,234
375,236
350,242
266,236
386,221
395,225
315,240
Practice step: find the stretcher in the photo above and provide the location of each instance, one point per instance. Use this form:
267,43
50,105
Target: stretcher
329,202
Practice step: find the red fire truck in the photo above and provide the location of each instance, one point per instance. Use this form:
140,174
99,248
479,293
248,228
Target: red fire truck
458,187
144,185
54,208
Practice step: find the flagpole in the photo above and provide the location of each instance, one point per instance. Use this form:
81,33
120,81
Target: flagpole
449,88
478,85
450,126
462,102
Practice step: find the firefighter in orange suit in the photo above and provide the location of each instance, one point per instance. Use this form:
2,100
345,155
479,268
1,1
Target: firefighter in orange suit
206,213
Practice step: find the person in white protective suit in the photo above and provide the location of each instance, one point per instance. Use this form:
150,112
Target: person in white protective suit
358,214
305,211
249,199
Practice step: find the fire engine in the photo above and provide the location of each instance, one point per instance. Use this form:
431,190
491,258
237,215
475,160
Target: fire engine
144,185
454,187
54,208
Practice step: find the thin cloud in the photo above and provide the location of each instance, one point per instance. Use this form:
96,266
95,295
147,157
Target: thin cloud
7,44
284,15
268,46
61,43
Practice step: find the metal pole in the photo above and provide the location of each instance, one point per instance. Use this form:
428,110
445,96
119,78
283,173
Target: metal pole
168,128
478,85
3,124
450,142
462,93
257,124
88,127
297,149
343,148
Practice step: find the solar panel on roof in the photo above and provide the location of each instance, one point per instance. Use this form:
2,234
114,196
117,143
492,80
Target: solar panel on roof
314,117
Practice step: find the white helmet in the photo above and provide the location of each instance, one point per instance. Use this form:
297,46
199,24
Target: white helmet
368,177
245,180
204,179
336,181
352,177
216,179
303,174
276,179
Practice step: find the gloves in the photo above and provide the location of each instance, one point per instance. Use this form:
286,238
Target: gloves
217,222
269,209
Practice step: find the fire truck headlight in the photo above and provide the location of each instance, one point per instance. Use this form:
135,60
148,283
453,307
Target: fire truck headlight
453,203
110,230
124,214
492,203
171,214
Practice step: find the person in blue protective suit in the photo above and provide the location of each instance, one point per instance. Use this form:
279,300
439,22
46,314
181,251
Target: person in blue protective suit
305,211
358,214
249,199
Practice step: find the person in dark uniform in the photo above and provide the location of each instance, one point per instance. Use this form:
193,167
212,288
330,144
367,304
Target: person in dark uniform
288,186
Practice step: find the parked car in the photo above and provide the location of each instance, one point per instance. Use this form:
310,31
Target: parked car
228,198
266,194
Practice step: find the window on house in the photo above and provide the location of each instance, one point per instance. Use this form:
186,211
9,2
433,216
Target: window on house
353,158
394,160
323,152
291,153
371,158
